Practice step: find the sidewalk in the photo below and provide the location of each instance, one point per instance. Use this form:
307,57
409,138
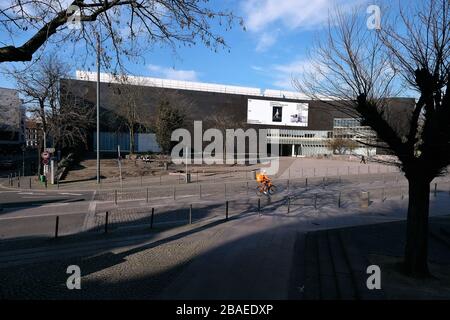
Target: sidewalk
251,256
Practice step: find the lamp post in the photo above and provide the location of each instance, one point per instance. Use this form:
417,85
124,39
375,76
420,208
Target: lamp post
23,160
98,108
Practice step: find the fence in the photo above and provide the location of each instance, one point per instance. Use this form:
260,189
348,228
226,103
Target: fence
230,190
310,199
16,179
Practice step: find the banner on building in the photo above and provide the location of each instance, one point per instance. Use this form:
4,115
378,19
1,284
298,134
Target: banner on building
277,113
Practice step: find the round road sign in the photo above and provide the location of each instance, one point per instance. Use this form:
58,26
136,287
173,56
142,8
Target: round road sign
45,155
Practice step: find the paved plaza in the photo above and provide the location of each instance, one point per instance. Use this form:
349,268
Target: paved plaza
294,245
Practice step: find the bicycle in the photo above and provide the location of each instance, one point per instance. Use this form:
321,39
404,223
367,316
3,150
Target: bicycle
266,188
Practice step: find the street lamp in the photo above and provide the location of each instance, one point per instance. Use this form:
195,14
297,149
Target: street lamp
98,108
23,160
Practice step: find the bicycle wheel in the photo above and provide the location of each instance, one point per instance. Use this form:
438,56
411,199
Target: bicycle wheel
259,191
272,189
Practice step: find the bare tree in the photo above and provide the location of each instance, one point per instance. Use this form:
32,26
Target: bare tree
170,115
131,107
341,145
128,26
358,69
222,120
61,119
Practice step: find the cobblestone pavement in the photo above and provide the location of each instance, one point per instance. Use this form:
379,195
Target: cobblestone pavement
127,273
249,257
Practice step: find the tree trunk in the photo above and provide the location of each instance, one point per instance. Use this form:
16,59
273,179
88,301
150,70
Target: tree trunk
416,250
131,140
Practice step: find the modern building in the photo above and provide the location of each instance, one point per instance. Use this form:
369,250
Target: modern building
303,126
12,121
33,133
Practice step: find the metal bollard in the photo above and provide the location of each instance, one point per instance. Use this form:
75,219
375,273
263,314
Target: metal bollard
339,200
315,201
226,210
199,191
146,199
56,227
151,218
115,197
259,206
289,205
306,183
30,183
106,221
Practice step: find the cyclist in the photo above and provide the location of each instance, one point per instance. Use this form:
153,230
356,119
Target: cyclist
264,180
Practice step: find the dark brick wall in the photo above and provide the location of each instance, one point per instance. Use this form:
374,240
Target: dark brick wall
204,104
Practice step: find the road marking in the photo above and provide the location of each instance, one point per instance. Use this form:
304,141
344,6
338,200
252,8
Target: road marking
70,194
41,215
50,205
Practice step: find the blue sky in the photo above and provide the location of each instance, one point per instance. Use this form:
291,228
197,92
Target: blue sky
268,54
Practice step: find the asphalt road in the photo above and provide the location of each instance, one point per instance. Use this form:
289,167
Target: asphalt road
24,213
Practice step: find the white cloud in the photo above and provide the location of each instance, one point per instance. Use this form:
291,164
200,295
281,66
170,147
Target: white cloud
298,66
264,15
266,40
292,14
173,74
283,74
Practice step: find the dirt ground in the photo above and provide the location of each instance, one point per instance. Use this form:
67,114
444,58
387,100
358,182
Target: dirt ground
135,168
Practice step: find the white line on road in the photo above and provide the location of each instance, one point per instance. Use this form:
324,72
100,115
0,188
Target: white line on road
70,194
32,193
41,215
51,204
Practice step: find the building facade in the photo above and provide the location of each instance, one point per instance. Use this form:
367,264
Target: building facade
303,127
12,121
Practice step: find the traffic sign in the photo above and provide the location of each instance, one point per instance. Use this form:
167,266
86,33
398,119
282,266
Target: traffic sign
45,155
